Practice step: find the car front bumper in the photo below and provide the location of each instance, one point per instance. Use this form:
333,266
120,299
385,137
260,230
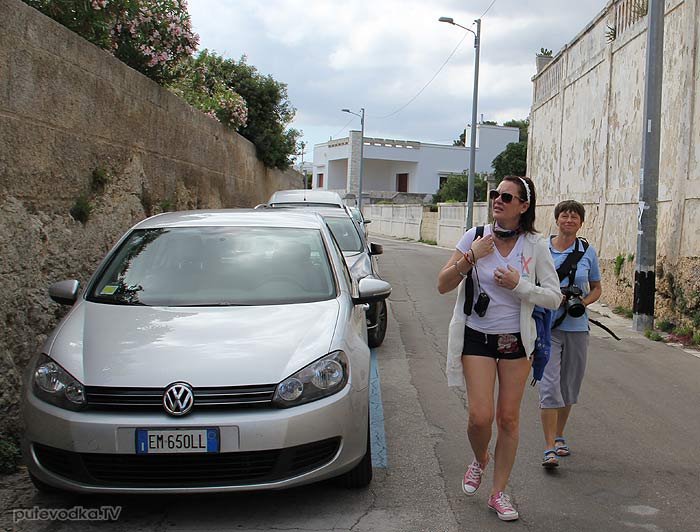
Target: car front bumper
95,451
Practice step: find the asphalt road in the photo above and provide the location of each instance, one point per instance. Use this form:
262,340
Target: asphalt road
634,441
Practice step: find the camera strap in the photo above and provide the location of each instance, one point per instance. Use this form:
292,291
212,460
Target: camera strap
469,284
568,269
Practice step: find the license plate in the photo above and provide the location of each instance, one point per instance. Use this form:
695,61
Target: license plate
177,441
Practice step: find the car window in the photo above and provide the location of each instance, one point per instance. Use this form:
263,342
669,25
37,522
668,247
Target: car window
344,231
212,266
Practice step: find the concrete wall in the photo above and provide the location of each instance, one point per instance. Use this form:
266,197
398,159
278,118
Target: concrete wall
66,109
586,143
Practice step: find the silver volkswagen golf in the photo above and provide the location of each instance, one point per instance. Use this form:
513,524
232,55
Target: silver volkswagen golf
210,351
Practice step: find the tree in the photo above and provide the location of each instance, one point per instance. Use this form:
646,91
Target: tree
151,36
455,188
269,111
523,125
511,161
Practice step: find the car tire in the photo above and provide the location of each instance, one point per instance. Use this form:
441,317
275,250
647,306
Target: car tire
375,336
361,475
42,486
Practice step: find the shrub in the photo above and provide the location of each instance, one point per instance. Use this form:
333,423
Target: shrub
653,335
150,36
626,312
619,262
665,326
9,455
81,209
696,338
100,178
428,241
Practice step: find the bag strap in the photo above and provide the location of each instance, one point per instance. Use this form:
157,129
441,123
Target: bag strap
469,286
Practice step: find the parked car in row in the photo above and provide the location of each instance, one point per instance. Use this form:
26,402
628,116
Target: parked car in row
349,229
210,351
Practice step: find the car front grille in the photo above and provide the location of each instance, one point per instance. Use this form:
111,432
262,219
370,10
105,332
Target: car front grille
187,470
125,399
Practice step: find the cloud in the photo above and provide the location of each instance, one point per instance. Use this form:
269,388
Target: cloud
379,54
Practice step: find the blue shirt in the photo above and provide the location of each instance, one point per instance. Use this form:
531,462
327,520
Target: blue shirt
587,270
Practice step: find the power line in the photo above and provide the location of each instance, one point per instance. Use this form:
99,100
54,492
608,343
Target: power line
343,128
426,85
488,8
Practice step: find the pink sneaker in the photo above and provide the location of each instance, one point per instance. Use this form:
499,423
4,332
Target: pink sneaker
500,503
472,478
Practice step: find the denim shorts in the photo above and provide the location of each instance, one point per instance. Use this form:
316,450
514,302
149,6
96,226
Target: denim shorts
506,346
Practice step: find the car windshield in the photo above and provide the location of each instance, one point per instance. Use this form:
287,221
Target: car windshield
344,231
217,266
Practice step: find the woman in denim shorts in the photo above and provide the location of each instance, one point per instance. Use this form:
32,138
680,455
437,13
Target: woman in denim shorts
511,271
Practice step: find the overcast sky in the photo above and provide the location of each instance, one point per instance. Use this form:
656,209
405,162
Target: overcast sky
379,54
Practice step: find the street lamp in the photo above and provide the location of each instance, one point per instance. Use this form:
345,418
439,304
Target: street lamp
472,147
361,114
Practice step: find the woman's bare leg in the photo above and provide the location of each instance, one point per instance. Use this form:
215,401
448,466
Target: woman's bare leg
512,376
480,375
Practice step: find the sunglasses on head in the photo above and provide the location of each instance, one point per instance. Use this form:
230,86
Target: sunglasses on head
506,197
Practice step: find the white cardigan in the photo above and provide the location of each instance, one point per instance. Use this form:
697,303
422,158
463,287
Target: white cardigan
547,295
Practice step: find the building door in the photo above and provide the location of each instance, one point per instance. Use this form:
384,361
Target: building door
401,182
319,180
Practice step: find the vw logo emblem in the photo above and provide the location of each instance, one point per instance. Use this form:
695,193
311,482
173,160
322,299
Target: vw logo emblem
178,399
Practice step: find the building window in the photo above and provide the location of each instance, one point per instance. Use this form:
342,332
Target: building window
401,182
443,180
319,180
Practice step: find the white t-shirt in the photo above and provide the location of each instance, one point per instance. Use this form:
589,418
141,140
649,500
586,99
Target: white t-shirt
503,313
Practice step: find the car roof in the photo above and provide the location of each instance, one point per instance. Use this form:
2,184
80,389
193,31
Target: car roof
291,218
302,196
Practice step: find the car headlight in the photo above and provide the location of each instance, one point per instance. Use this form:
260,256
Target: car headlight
53,384
326,376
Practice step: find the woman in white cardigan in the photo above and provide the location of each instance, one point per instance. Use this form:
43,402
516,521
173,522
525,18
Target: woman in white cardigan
493,336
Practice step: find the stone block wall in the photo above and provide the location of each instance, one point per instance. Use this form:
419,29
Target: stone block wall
67,109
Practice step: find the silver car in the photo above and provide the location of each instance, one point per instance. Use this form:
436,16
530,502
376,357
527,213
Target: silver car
305,198
210,351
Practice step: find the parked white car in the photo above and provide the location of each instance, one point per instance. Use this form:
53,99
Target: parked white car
211,351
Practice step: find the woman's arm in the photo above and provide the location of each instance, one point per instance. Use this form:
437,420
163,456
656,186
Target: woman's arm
450,275
594,294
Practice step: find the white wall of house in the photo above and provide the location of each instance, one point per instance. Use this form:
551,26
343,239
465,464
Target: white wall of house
424,163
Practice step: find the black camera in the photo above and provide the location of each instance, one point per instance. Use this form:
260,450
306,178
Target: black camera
574,301
482,303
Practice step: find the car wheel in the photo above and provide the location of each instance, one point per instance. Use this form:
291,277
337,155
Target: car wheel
361,475
42,486
375,336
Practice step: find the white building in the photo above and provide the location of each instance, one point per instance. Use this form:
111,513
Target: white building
400,165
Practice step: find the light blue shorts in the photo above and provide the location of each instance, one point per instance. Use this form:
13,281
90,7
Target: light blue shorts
563,374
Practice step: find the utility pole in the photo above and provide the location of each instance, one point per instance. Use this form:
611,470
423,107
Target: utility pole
475,97
302,145
645,274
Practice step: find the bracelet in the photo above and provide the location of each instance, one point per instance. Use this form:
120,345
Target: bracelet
471,260
464,275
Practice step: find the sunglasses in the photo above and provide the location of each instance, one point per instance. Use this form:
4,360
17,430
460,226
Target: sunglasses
506,197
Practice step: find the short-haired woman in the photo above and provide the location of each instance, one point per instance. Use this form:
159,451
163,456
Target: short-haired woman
560,386
494,340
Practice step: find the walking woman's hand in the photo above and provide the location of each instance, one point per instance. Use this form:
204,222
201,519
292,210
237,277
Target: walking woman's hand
482,246
506,278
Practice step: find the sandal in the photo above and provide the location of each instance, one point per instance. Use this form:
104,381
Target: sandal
550,460
563,449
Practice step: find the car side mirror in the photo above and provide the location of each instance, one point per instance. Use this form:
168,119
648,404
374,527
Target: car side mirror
375,249
371,290
64,292
366,222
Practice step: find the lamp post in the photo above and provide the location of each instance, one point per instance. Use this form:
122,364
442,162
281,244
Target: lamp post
472,147
361,114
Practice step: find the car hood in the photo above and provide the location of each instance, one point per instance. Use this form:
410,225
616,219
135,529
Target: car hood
130,346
